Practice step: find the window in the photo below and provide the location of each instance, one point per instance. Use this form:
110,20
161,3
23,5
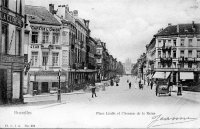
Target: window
159,43
182,42
45,37
4,39
190,42
174,42
164,55
98,51
174,54
169,42
182,53
34,37
189,64
189,53
18,43
198,54
5,3
34,58
45,58
159,54
174,64
182,65
159,65
198,64
54,84
55,38
55,59
198,42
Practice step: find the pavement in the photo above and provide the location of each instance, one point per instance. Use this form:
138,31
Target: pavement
116,107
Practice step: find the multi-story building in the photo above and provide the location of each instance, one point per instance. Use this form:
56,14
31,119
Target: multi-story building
99,59
11,50
150,57
44,49
178,51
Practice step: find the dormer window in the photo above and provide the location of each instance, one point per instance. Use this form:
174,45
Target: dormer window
5,3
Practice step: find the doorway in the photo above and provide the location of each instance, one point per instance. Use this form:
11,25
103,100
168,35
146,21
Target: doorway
3,86
45,88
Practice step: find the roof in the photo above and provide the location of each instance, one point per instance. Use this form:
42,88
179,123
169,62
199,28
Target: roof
183,30
40,15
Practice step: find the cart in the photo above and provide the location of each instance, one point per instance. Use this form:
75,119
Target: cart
162,87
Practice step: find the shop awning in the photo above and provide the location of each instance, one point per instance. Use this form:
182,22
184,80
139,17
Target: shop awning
163,75
47,78
186,75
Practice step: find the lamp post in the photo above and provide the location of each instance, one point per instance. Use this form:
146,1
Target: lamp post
178,83
59,94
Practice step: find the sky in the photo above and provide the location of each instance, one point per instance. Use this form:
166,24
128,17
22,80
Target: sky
127,26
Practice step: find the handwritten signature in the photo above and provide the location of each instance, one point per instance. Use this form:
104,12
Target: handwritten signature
168,120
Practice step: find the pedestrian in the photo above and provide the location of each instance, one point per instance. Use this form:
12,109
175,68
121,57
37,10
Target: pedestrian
127,81
93,91
151,84
129,85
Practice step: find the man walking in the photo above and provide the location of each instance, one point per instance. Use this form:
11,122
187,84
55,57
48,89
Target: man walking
93,91
151,84
129,85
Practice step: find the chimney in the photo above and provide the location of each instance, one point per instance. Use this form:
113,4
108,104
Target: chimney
169,24
193,26
75,13
177,28
87,23
51,8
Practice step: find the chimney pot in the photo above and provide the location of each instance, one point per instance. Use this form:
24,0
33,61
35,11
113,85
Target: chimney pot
51,8
178,28
169,24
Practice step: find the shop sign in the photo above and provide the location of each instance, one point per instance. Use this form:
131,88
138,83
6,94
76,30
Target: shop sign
11,19
37,28
187,69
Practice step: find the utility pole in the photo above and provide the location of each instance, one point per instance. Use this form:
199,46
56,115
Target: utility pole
59,94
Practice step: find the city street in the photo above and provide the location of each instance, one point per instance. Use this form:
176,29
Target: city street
117,106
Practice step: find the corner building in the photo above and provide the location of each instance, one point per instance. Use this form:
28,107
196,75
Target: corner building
178,51
11,50
44,50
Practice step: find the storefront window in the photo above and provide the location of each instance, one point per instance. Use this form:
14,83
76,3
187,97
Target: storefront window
34,37
34,59
55,59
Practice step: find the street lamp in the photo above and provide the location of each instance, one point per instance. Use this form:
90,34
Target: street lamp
59,94
178,83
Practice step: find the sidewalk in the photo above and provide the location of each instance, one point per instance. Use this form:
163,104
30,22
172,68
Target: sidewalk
48,97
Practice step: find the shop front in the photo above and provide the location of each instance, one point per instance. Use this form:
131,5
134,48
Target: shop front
45,81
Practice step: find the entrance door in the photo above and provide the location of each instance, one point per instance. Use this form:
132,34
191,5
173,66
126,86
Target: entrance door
3,85
45,88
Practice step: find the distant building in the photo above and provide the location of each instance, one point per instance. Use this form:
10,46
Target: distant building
128,66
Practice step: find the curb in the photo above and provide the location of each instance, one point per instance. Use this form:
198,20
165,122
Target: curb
54,94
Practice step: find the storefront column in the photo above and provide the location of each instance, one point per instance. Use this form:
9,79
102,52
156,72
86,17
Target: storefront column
30,89
40,86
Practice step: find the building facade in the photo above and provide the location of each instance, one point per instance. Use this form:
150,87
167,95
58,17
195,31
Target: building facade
178,52
44,50
11,50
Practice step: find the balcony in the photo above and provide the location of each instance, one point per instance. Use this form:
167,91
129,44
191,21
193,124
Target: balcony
35,46
166,48
11,58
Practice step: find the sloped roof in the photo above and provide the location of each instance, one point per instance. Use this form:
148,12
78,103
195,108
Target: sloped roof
40,15
183,29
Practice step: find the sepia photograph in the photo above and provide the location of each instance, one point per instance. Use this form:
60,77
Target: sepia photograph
99,64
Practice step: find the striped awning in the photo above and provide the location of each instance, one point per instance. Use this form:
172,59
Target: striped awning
186,75
162,75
